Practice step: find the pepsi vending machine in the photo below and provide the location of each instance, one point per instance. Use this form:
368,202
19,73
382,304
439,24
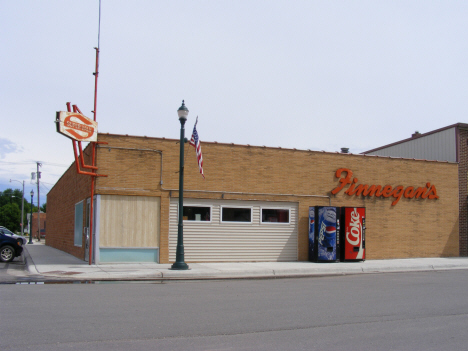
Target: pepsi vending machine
353,240
324,229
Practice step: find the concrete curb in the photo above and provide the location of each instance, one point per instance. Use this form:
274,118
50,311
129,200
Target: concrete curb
49,264
164,276
29,262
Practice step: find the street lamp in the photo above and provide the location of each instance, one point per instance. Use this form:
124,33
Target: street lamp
22,205
30,219
180,261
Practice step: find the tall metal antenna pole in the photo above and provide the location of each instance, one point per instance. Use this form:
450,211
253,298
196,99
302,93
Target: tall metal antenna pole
99,27
96,73
93,178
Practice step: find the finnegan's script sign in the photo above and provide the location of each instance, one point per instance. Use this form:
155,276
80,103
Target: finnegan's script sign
409,192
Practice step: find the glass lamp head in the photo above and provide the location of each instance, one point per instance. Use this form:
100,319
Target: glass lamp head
183,111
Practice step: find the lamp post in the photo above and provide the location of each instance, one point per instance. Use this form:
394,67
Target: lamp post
180,260
30,219
22,205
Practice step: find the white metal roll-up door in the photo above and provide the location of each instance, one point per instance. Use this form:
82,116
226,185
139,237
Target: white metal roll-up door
218,241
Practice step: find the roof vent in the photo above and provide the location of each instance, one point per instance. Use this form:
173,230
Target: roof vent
344,150
416,134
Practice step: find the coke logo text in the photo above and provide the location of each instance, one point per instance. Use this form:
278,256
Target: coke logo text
355,229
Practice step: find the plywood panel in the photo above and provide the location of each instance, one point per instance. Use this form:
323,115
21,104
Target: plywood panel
129,221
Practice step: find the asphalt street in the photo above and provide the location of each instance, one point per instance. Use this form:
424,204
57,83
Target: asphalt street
13,271
393,311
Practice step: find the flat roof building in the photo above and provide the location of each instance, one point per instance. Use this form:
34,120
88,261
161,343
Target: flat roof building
253,204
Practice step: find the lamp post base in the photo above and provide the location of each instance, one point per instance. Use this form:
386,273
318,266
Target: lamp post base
180,266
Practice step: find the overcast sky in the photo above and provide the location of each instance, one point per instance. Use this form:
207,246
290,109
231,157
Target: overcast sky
316,75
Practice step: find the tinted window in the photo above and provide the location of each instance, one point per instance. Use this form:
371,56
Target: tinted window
196,213
78,231
270,215
236,214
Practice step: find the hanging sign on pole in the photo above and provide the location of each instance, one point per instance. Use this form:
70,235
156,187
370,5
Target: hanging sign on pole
76,126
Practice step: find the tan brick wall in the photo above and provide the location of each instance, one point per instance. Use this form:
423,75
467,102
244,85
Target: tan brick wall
412,228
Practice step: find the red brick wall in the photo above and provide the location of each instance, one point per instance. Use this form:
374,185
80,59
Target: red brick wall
43,224
61,199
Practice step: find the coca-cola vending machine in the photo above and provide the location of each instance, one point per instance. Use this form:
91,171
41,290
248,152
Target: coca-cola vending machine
353,235
324,237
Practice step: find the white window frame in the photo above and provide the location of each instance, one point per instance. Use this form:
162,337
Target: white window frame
197,205
275,208
236,222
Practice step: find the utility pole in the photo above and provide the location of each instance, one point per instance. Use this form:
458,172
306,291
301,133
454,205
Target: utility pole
38,204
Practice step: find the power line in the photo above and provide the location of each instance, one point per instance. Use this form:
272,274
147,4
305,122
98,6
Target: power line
16,163
55,164
34,162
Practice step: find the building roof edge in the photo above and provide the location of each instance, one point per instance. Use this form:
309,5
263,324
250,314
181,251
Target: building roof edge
456,125
280,148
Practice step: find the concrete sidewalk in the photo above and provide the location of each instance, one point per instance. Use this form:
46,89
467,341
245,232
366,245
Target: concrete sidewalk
47,263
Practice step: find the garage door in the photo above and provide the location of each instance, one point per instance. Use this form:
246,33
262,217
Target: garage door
235,231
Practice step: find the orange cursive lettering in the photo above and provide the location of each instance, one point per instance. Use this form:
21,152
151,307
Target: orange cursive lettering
428,192
343,181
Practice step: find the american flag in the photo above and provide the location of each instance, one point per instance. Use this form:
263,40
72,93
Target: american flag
195,142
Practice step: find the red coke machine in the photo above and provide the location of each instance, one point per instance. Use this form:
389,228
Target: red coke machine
353,234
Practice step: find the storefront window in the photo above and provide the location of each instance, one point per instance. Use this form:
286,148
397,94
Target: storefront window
273,215
78,235
236,214
197,213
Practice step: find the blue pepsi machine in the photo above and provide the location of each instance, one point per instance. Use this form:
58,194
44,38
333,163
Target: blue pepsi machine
324,233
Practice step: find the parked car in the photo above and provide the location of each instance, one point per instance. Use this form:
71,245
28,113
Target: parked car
9,248
18,238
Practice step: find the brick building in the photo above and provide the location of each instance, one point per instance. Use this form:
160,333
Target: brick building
445,144
42,217
136,204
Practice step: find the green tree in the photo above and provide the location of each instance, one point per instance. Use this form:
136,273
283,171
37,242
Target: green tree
10,206
10,217
16,197
44,207
5,197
